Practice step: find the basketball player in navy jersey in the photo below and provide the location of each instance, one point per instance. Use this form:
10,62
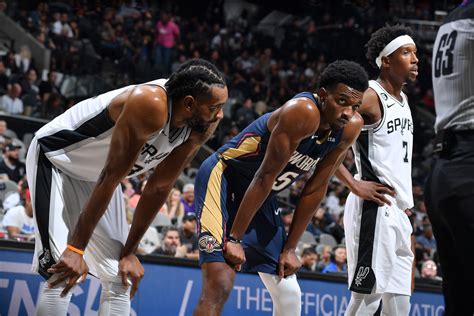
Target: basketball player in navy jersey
76,162
377,228
239,222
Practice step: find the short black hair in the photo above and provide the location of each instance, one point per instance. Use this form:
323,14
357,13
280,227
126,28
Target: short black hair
309,251
347,72
194,77
381,38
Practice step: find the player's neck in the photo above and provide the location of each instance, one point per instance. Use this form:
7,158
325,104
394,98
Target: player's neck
391,85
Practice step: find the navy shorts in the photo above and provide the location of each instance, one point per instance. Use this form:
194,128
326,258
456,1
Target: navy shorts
218,193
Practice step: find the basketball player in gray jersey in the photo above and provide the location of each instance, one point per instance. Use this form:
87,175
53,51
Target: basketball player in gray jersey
76,162
449,191
377,228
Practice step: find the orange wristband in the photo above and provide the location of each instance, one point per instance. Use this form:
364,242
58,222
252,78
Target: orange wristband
76,250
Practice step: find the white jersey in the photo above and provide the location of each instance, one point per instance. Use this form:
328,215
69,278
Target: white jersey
77,142
383,150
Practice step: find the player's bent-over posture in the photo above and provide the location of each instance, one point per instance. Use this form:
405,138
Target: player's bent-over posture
236,188
76,162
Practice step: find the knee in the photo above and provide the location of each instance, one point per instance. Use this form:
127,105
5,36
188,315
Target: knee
216,290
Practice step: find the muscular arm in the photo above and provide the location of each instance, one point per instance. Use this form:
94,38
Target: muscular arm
372,114
287,132
159,185
316,187
143,113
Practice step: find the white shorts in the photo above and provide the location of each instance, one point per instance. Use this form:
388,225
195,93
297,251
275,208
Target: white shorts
378,241
58,200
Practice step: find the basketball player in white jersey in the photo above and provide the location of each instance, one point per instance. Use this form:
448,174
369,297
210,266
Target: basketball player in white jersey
76,162
377,228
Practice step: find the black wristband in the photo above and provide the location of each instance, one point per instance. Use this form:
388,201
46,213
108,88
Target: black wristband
233,240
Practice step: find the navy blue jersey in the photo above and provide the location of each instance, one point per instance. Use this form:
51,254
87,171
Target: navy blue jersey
244,153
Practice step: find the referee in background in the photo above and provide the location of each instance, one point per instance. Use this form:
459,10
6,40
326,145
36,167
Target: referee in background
449,192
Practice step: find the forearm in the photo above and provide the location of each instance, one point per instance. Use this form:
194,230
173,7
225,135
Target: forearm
345,176
305,210
146,210
253,199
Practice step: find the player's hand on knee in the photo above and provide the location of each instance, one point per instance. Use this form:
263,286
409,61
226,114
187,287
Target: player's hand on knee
71,269
130,267
288,263
234,255
373,191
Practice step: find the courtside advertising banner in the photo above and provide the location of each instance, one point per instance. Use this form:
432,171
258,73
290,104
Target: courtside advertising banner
174,290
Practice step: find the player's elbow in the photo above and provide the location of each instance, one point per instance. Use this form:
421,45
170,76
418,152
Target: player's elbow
111,176
264,177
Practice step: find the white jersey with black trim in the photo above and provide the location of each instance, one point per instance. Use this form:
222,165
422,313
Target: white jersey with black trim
77,142
383,151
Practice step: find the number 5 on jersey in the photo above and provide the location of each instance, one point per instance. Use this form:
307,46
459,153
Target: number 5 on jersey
284,180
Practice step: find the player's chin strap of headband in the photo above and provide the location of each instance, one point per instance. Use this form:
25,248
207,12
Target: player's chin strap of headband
393,46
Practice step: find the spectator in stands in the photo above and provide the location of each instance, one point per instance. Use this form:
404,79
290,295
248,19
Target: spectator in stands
246,114
135,197
325,257
15,198
6,133
11,164
49,86
43,37
320,223
187,199
23,60
11,101
30,95
171,243
427,241
309,259
175,209
61,27
429,270
188,236
52,107
18,221
338,260
166,36
149,242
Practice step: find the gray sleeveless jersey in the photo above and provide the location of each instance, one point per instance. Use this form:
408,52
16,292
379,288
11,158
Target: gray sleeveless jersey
453,70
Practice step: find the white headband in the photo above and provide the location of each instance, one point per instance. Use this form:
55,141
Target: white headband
393,46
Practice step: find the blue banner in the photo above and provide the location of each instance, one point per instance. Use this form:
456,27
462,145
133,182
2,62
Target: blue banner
174,290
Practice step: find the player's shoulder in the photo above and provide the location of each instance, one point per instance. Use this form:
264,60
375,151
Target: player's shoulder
298,116
370,96
148,100
150,94
301,108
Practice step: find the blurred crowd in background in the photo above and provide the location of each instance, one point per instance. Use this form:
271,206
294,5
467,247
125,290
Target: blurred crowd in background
110,44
